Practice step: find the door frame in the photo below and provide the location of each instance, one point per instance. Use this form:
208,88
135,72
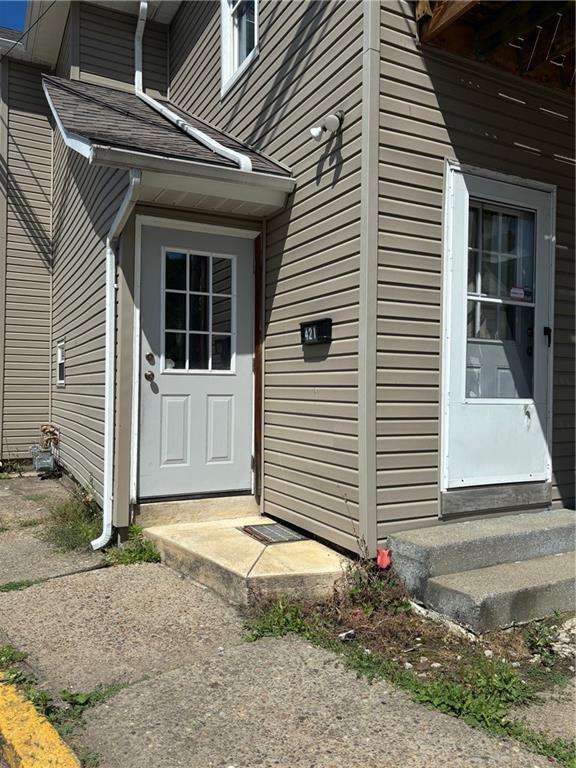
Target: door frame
451,169
142,220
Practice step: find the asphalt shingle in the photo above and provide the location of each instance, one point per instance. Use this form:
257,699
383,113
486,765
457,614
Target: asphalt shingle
120,119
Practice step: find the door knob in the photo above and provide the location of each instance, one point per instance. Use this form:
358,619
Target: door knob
149,376
150,358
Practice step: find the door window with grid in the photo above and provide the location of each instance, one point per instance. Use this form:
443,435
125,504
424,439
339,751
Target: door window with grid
198,316
501,302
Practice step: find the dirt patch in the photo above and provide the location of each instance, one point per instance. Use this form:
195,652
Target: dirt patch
26,500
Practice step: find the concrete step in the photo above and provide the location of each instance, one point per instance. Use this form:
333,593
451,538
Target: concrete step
505,594
220,555
421,554
152,513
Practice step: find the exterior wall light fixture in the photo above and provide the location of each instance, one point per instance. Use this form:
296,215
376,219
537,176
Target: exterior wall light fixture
329,124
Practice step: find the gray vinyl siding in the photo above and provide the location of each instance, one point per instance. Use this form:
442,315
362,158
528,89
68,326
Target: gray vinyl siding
27,270
309,65
85,202
64,62
432,108
107,49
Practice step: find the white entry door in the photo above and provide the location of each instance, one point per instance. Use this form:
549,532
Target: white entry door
497,332
196,352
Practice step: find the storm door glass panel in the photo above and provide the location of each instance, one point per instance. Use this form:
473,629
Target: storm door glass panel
198,317
500,315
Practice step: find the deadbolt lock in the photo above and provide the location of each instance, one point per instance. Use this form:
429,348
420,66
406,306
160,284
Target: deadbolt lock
150,358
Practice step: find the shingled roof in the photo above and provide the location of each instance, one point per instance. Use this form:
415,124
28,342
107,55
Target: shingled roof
119,119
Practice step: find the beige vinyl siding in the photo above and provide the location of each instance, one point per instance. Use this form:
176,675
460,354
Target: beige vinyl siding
85,202
64,62
107,49
432,108
309,65
28,248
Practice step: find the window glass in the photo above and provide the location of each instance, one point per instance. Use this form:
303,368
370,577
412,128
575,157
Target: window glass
176,271
175,350
221,353
61,362
175,311
500,313
244,24
199,273
198,314
198,355
239,35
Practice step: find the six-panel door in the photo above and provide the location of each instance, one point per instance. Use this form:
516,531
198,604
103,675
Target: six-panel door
196,380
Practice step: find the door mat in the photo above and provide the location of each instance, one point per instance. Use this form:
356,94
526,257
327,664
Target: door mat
273,533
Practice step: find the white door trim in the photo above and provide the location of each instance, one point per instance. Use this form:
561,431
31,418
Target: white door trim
452,168
153,221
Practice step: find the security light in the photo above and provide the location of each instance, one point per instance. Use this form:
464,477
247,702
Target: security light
329,124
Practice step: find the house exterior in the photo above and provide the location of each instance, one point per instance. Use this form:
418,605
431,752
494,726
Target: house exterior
169,223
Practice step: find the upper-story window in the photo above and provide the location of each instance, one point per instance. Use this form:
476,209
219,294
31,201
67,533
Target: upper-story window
239,38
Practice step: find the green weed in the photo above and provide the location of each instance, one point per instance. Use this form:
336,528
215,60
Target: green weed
30,522
9,656
479,690
16,586
73,522
137,549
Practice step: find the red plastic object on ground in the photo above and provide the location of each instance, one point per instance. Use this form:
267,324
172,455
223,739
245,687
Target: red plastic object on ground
383,558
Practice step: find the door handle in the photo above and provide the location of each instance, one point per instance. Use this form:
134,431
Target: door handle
149,376
548,334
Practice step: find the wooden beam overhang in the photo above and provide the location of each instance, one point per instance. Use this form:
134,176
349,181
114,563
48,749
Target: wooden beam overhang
443,16
514,22
535,40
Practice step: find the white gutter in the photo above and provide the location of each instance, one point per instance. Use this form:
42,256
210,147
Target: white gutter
120,219
243,161
73,140
123,158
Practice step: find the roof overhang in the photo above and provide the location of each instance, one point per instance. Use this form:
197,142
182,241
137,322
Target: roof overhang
168,181
172,181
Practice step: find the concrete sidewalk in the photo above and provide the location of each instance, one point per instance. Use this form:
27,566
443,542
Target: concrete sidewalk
195,694
199,696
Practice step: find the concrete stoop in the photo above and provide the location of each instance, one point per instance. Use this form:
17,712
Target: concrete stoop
492,573
220,555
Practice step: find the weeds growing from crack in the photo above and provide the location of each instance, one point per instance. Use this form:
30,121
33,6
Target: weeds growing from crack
73,522
137,549
471,683
65,717
16,586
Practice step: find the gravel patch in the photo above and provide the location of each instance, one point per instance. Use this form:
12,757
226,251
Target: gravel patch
282,703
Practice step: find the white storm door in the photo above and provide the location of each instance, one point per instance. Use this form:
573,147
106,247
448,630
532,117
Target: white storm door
497,334
196,352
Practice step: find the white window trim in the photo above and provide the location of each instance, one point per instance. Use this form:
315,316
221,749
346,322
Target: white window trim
229,76
61,360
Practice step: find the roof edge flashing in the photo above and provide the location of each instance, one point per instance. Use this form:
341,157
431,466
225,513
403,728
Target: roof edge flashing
78,143
243,161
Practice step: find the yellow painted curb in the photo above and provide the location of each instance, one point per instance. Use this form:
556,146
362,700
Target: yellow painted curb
27,739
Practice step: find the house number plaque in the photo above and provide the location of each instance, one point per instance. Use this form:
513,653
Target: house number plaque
316,331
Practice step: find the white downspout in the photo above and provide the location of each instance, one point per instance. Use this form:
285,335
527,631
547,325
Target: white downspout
243,161
120,219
